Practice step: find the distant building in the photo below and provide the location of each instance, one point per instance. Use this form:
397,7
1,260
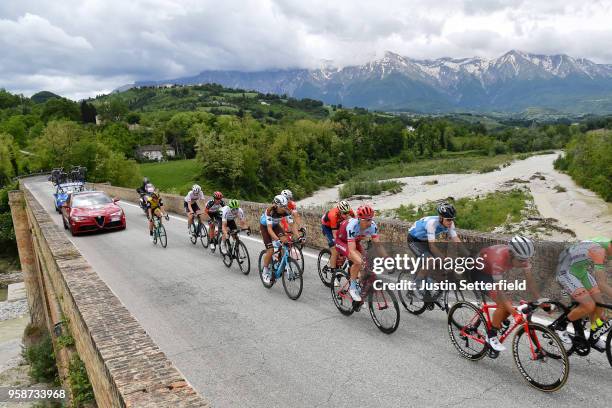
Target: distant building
410,128
154,152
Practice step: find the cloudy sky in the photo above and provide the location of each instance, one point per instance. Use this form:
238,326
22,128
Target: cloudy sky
80,48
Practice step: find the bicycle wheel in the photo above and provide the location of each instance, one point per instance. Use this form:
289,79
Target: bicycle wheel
293,282
204,238
155,237
339,286
609,347
194,236
410,302
161,233
226,250
260,267
298,255
467,329
540,357
323,267
243,258
384,310
451,297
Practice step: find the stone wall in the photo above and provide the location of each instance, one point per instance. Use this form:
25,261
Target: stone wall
125,366
393,231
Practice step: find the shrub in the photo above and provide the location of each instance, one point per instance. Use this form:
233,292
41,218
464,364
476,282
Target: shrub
41,358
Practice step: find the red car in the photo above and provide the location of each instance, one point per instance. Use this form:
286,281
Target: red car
92,211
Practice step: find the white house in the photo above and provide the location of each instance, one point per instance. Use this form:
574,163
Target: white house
154,152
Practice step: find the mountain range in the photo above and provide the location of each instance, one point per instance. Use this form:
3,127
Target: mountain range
513,82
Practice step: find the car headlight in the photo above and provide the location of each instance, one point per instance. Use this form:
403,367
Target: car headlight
117,213
77,218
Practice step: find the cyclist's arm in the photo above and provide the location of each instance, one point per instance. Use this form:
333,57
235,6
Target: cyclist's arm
297,219
380,249
598,256
532,286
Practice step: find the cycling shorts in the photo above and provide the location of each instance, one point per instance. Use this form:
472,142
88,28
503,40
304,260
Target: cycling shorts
265,235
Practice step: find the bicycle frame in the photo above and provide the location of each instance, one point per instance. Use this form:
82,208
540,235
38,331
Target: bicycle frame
282,262
485,309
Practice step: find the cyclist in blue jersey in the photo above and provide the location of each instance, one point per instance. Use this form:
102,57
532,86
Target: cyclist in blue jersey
272,232
424,234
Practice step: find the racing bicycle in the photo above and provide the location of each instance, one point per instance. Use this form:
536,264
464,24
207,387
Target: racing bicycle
236,250
382,303
282,264
159,231
198,230
538,352
580,344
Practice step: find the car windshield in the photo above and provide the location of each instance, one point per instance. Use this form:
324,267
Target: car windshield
90,200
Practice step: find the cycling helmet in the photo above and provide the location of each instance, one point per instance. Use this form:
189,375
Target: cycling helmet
344,207
288,194
280,200
521,247
233,204
217,195
145,180
365,212
155,194
446,210
196,189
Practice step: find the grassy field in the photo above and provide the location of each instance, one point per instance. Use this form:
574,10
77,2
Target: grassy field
479,213
172,176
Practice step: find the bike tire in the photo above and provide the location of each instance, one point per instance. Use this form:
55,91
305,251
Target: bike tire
204,238
390,303
293,279
609,347
260,267
298,254
339,291
451,297
242,258
468,348
163,238
410,302
227,254
323,267
558,354
193,237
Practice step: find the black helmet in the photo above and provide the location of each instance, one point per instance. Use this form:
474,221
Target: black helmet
446,210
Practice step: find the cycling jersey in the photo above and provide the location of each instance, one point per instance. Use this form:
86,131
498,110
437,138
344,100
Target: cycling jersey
227,214
271,216
350,231
194,197
575,262
213,207
291,205
428,228
497,260
154,204
333,218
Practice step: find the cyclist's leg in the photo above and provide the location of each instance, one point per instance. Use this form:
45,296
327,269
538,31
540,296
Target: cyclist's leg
267,240
150,216
420,249
158,214
211,222
328,233
575,287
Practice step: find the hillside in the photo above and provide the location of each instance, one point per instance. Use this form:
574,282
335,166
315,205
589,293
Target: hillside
513,82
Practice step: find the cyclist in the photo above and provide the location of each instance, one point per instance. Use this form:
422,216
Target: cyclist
348,238
292,206
191,204
154,208
213,210
330,222
581,271
144,190
272,232
229,214
424,235
499,259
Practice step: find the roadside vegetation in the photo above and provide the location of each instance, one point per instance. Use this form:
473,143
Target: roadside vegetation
481,213
176,176
588,159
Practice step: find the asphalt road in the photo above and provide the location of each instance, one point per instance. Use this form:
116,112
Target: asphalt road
242,345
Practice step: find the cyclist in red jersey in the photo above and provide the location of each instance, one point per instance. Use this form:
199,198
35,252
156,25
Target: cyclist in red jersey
330,222
350,233
499,259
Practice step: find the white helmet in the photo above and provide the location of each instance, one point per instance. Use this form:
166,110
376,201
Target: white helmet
521,247
196,189
288,194
280,200
344,206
